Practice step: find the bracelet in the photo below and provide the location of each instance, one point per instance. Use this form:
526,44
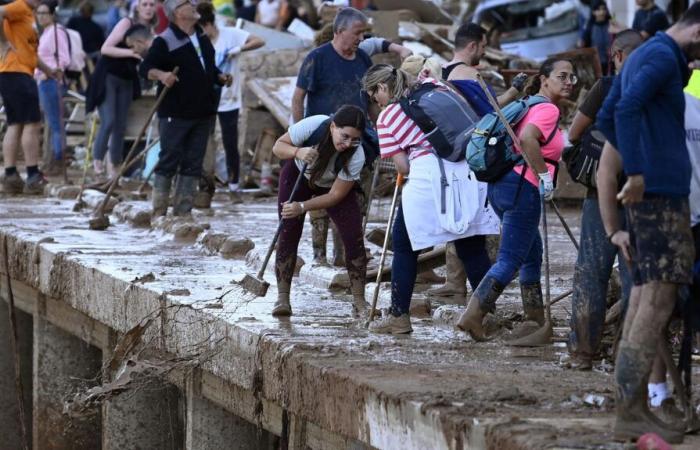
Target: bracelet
612,235
296,151
302,207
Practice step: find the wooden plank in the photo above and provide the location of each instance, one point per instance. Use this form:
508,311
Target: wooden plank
276,95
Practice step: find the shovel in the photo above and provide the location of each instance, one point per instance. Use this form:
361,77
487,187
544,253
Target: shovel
392,212
255,284
543,335
100,221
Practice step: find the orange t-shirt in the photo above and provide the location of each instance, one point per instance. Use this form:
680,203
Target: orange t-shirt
19,32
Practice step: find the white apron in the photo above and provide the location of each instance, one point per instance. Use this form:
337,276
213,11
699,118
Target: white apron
467,213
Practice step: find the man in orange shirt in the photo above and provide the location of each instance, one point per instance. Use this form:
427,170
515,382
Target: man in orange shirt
18,59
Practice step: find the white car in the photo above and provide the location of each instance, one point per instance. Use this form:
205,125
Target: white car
533,28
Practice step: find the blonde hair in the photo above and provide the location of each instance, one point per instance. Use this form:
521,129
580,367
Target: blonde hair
396,80
414,65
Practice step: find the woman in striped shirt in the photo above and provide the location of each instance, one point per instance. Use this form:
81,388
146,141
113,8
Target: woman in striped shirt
418,224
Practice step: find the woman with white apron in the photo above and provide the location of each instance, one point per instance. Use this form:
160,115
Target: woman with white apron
420,221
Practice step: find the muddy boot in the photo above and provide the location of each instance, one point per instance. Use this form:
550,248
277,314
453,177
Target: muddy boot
633,415
357,286
391,324
533,308
456,279
35,184
205,192
483,300
184,195
161,195
282,306
338,248
12,184
319,236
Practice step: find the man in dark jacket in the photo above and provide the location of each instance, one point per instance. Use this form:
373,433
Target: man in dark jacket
643,116
188,109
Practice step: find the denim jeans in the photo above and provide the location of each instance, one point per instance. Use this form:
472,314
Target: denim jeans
50,98
594,264
404,267
114,111
517,204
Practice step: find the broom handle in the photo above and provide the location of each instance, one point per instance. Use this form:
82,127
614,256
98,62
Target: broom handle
302,171
380,272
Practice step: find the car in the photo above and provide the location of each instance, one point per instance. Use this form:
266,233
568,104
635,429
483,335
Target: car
533,28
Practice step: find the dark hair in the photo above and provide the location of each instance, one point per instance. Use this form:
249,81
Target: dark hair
545,70
346,116
627,41
51,4
468,32
207,15
138,31
86,9
691,16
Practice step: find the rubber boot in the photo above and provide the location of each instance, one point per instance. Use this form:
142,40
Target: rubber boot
483,300
184,195
319,237
205,193
359,305
456,279
161,194
338,248
533,307
634,418
283,307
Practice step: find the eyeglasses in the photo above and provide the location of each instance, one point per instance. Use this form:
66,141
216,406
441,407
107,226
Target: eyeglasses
571,77
346,139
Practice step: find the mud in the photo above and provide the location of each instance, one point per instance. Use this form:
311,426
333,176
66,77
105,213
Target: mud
433,389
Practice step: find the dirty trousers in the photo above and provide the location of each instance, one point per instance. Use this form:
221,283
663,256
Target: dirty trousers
183,143
345,215
404,267
594,263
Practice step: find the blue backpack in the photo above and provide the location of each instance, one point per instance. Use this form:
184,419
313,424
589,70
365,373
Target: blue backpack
490,152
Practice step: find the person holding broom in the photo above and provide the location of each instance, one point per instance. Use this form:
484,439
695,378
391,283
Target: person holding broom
328,150
418,225
516,199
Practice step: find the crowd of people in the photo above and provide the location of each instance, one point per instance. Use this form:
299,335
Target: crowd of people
642,175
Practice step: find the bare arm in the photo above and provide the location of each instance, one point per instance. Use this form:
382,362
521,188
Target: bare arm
298,104
285,149
252,43
530,145
167,78
109,48
507,97
402,51
580,123
609,168
402,164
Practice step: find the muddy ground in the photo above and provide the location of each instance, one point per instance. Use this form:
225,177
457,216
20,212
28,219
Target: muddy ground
536,401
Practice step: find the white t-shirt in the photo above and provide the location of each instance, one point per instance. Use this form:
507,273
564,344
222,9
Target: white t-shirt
302,130
230,38
197,47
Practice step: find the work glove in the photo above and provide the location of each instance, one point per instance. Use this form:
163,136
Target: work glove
519,81
546,185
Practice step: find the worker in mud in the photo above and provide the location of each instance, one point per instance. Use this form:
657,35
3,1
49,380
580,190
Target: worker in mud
184,123
643,117
329,77
470,46
330,147
415,227
516,199
596,254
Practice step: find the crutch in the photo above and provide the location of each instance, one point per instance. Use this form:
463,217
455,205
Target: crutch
544,334
380,272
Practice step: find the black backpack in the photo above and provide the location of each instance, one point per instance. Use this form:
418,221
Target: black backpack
583,157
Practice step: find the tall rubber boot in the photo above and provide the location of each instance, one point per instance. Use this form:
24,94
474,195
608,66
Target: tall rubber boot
456,279
357,287
634,418
483,301
338,248
283,307
533,307
205,193
161,194
184,195
319,237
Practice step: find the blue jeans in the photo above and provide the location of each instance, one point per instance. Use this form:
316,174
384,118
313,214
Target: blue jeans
114,111
50,98
591,277
517,204
404,267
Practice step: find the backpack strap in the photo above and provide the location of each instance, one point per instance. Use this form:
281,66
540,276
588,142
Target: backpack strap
318,134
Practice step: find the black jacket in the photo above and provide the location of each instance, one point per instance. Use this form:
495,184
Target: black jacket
196,94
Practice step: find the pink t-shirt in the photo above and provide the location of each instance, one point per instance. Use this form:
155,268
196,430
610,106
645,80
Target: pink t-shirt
545,117
47,50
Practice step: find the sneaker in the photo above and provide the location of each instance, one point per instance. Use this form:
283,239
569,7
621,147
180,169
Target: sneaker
233,187
99,167
35,184
12,184
390,324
